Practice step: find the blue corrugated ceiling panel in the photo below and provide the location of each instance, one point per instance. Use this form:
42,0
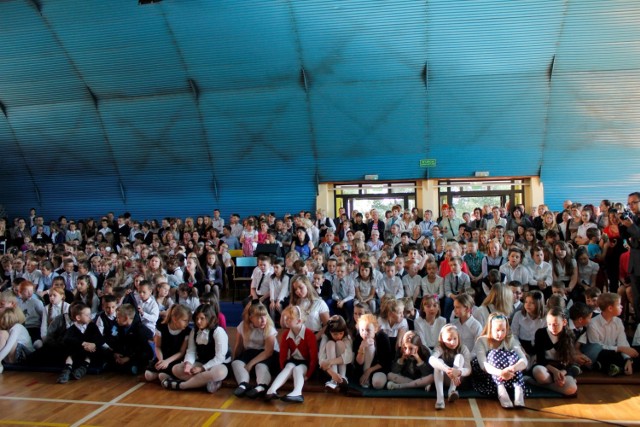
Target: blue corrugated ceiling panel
236,45
593,137
487,123
25,48
61,141
149,137
119,48
492,37
358,41
359,122
16,184
262,150
600,35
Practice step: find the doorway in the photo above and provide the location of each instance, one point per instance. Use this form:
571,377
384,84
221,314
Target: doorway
466,196
380,196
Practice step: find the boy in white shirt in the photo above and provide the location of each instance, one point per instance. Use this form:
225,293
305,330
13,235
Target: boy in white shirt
608,330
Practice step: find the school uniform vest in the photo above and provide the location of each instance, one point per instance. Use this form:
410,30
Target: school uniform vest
206,352
171,344
110,330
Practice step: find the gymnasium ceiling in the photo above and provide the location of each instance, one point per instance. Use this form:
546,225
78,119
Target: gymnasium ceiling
112,105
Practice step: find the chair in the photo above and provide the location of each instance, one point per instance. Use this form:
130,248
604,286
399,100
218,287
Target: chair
235,253
241,265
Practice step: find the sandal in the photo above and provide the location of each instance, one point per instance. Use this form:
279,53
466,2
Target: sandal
171,384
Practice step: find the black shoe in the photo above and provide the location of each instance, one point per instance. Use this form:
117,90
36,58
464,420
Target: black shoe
574,371
79,372
241,390
293,399
271,396
65,375
344,385
259,391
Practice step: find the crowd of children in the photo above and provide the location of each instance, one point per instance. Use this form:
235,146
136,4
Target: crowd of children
494,304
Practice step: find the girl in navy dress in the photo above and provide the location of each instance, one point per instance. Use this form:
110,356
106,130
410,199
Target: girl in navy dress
499,363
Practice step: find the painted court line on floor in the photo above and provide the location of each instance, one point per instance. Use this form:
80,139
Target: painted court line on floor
215,416
107,405
476,412
476,416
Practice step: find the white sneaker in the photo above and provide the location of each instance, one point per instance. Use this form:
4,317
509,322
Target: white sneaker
331,385
213,386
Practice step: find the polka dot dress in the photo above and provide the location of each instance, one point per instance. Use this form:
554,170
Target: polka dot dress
488,384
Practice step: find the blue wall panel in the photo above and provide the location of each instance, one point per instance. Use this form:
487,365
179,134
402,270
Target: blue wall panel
182,106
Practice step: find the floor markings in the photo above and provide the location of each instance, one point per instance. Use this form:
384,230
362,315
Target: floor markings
107,405
215,416
477,416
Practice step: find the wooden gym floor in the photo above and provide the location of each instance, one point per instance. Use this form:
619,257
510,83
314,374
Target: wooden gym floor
34,399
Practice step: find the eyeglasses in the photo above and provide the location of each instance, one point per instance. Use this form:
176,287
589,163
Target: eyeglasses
634,202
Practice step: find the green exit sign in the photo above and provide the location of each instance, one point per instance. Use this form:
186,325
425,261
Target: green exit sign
428,163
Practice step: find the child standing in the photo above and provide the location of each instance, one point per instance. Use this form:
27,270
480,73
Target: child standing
171,338
410,368
499,363
256,350
450,357
429,323
83,343
207,353
298,356
555,354
336,352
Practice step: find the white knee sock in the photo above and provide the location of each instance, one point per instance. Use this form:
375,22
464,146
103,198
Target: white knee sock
239,371
298,380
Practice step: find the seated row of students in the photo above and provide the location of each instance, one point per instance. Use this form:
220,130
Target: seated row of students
383,352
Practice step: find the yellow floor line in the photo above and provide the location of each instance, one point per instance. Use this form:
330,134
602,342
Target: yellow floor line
215,416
